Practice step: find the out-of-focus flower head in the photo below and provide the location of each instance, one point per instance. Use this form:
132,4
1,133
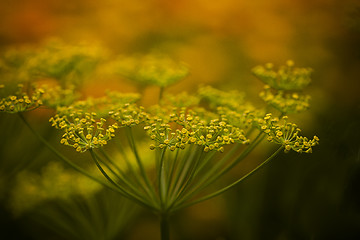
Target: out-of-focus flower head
69,64
152,69
285,102
54,182
231,99
287,77
283,89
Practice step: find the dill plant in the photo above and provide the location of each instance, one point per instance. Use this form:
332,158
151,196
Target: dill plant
192,139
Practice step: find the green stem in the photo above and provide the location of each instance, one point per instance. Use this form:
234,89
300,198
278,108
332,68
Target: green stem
171,171
244,154
131,171
120,175
162,179
219,169
161,93
231,185
179,170
182,176
132,143
79,169
191,175
164,227
124,191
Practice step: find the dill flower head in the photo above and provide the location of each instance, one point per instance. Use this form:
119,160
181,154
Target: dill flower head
286,77
56,96
129,115
152,69
87,123
286,134
215,97
53,182
285,102
12,64
180,127
69,64
83,130
21,101
180,100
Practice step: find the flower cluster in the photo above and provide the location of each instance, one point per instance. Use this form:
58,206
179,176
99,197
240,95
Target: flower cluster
287,77
85,122
186,127
21,101
285,102
180,100
241,119
286,134
129,115
231,99
152,69
13,64
83,131
283,87
69,64
56,96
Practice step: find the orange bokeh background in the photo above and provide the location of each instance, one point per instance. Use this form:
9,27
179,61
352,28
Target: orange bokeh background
221,41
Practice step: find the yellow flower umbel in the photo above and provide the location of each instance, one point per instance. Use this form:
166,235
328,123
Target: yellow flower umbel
83,131
287,77
285,101
151,69
193,128
69,64
283,89
286,134
21,101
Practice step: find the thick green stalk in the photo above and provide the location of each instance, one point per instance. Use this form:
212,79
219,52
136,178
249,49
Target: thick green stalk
164,227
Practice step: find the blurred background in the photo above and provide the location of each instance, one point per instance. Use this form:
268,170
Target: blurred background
315,196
